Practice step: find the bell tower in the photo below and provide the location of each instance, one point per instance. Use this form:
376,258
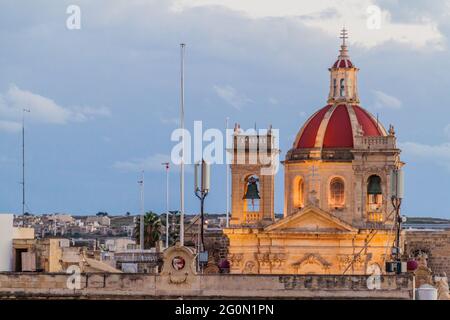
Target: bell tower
252,177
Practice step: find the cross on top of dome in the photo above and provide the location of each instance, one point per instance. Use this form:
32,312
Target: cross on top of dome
344,35
344,51
343,60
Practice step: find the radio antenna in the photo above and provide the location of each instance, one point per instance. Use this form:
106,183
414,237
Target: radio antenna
23,159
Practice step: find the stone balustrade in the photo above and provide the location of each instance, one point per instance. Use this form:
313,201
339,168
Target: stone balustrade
375,216
375,142
252,217
140,286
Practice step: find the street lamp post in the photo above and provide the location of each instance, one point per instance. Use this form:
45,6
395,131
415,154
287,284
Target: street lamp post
397,196
201,192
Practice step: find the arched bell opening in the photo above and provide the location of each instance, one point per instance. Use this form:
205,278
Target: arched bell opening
251,194
374,199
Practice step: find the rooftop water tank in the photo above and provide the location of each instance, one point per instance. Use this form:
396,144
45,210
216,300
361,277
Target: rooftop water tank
426,292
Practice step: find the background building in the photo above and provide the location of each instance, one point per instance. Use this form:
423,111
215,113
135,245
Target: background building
6,236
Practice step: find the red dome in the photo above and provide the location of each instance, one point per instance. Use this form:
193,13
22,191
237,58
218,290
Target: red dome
343,63
334,126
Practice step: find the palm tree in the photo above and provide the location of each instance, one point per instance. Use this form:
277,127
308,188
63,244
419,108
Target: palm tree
152,229
174,226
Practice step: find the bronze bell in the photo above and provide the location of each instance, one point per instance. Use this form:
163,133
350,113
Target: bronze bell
252,190
374,186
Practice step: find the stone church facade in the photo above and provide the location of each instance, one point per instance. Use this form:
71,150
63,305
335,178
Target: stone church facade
338,217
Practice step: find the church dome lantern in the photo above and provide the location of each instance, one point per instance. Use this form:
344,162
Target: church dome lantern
343,76
337,125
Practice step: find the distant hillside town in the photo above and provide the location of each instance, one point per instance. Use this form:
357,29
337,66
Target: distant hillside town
102,225
104,243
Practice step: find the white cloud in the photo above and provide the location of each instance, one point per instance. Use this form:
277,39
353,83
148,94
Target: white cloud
231,96
43,109
330,15
383,100
89,113
441,151
151,163
10,126
439,154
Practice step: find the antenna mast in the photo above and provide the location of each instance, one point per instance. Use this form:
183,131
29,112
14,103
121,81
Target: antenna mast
182,46
23,159
141,220
227,178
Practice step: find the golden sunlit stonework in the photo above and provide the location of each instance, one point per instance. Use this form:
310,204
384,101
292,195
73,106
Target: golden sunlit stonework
338,217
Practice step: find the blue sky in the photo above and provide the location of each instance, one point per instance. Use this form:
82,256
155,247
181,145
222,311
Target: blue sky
105,98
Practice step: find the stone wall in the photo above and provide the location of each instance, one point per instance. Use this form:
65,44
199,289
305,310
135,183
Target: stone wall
216,243
436,244
141,286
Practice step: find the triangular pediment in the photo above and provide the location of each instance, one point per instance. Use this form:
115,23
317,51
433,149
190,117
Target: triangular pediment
311,219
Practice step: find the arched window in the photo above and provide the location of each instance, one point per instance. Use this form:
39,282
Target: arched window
334,87
342,88
337,192
299,193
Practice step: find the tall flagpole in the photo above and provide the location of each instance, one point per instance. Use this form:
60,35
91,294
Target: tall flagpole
182,154
227,176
